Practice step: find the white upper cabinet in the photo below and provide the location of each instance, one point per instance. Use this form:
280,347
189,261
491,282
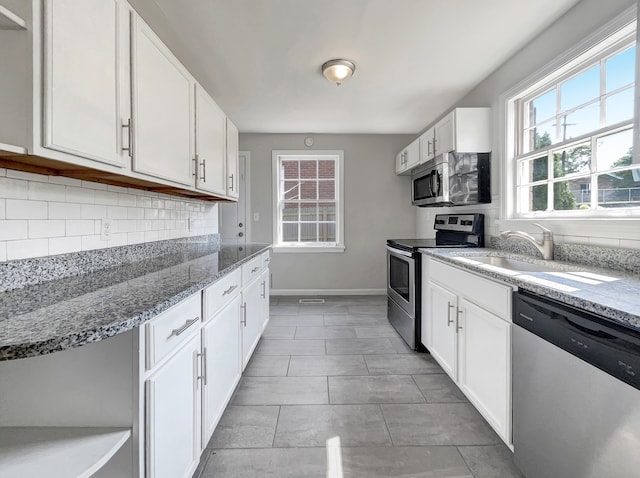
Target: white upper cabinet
408,158
233,149
84,78
163,116
211,139
444,135
427,146
464,130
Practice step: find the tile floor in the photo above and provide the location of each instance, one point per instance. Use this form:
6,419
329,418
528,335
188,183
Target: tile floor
340,370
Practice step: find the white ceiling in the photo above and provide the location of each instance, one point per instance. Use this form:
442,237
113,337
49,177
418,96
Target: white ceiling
261,59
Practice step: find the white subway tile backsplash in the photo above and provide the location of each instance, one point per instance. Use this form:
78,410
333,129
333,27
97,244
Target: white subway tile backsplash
125,225
629,244
64,245
11,173
135,237
27,248
107,198
64,210
13,230
144,202
117,212
92,185
39,228
92,242
80,195
66,181
13,188
91,211
125,199
164,214
118,240
80,227
3,251
117,189
151,236
25,209
2,209
47,191
135,213
3,172
151,214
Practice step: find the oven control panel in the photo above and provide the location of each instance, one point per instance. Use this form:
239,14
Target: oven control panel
470,223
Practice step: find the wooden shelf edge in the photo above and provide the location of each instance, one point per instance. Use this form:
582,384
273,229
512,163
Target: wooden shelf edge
58,451
11,21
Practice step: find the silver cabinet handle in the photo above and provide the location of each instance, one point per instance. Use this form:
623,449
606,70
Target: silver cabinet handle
449,319
128,148
195,166
458,326
244,314
255,269
203,377
204,170
231,177
184,327
230,290
267,260
264,289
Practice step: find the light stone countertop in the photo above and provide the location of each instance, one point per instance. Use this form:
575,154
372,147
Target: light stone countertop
612,294
65,313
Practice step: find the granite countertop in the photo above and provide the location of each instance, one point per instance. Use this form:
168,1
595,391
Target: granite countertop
611,294
65,313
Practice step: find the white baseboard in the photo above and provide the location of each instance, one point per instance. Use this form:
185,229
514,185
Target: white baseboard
316,292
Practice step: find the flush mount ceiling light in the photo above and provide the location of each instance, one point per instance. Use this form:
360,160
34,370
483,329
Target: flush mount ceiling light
338,71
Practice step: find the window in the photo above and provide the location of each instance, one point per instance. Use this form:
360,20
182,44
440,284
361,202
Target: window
572,144
308,203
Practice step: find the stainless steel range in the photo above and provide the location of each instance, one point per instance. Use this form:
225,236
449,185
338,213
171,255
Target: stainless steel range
404,268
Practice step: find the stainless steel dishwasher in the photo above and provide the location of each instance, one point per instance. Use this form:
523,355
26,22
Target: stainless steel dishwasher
576,392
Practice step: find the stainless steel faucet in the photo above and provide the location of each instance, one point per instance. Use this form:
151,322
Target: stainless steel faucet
545,247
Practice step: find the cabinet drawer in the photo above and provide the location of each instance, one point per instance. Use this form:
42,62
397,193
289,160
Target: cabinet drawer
266,259
486,293
251,270
221,292
171,328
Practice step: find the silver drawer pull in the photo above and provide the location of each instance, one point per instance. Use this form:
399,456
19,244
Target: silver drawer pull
230,289
186,325
267,260
255,269
526,317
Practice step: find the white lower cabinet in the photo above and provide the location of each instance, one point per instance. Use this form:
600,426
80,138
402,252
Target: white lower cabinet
173,415
223,367
467,328
252,319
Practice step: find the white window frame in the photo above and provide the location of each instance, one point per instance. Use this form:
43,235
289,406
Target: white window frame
278,245
599,223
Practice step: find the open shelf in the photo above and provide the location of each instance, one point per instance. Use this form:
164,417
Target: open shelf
58,451
11,21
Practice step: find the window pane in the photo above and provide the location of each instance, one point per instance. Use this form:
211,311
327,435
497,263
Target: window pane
615,150
620,69
572,160
582,88
290,168
309,190
308,212
541,136
309,232
290,232
327,190
566,194
327,212
582,121
621,189
327,169
537,198
535,170
290,212
291,189
542,108
619,107
308,169
327,232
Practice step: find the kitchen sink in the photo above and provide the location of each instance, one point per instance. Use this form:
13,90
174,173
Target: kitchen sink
512,264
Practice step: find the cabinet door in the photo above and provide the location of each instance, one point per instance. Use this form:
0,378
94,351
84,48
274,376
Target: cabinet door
173,411
484,360
221,348
162,110
400,162
264,296
427,149
233,149
84,90
441,310
211,139
251,319
413,154
445,134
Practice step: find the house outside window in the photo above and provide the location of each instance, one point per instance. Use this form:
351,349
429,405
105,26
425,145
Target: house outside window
572,136
308,202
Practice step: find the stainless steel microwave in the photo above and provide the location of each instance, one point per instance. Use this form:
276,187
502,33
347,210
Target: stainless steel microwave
453,179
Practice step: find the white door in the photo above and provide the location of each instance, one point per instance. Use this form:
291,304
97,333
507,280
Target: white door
211,139
252,319
235,217
173,411
163,113
442,311
445,134
221,346
84,77
233,148
484,358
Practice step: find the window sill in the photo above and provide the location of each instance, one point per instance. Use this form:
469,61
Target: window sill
613,227
308,249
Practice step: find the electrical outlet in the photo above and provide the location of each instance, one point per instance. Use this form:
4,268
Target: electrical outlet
106,229
256,217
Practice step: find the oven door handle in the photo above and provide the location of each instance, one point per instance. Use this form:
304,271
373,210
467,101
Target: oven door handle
397,251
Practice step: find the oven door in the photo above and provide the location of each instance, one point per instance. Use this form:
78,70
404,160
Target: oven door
401,275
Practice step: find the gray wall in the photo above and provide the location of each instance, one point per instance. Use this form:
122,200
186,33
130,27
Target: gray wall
377,206
577,24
